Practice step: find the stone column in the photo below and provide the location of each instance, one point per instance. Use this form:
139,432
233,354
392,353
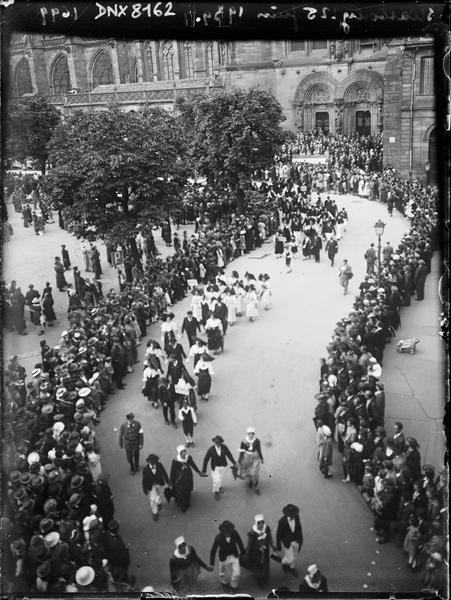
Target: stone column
299,119
139,62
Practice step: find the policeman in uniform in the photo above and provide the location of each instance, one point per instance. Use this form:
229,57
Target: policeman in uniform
131,437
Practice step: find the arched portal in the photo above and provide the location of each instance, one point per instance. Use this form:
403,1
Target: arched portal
313,103
361,96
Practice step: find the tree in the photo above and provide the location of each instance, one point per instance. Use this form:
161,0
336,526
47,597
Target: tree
233,133
111,171
30,125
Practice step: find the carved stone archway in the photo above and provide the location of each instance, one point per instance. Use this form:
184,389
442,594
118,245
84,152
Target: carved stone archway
315,94
361,94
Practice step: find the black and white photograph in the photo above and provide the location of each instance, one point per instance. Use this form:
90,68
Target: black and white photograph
225,307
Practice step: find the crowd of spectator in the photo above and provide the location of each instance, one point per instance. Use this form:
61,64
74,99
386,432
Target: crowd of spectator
59,519
364,152
408,498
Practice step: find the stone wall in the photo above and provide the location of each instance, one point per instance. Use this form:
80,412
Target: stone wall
312,84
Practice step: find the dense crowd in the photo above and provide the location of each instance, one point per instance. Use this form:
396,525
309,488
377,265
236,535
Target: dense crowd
364,152
60,516
408,499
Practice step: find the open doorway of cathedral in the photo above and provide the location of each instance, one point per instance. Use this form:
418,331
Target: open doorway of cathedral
363,122
322,121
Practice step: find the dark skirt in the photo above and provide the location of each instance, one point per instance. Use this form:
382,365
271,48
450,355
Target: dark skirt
35,316
169,337
214,339
307,249
49,313
279,247
151,389
204,382
60,280
182,487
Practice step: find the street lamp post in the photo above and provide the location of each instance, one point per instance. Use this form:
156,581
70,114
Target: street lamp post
379,231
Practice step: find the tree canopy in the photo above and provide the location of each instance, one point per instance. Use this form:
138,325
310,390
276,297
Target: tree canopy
232,133
30,124
113,170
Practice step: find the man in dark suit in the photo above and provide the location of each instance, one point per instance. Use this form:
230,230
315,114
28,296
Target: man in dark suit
420,279
154,476
399,440
218,455
30,296
119,363
167,400
230,546
289,538
191,325
131,438
370,257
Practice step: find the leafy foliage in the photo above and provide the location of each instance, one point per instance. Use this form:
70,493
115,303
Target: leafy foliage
30,124
112,170
231,134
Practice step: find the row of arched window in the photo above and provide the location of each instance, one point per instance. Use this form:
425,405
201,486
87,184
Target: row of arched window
159,62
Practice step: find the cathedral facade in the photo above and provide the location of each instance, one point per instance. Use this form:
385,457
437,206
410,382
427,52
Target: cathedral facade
365,86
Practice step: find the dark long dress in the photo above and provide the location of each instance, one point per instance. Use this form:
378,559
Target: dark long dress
60,279
169,338
258,552
151,388
214,338
203,382
279,246
47,306
35,314
182,481
66,259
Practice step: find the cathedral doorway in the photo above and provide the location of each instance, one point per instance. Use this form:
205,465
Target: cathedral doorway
363,122
322,121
